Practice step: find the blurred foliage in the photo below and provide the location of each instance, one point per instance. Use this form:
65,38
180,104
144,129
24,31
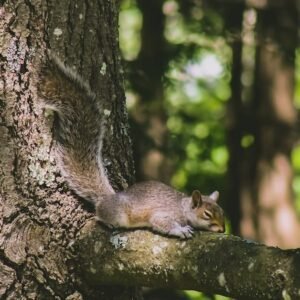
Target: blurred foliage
196,84
195,94
130,21
196,87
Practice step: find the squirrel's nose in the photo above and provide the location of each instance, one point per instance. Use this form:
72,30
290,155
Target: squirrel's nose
218,228
221,230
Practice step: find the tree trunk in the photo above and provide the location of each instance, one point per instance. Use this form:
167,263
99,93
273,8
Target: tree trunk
39,218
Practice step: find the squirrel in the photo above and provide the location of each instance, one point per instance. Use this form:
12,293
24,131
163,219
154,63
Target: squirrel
79,131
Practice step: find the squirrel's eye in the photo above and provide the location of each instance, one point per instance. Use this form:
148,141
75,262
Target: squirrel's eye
207,214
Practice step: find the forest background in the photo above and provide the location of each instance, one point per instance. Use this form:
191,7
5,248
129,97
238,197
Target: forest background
213,93
213,100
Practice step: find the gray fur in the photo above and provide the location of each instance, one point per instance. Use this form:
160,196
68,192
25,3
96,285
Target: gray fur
155,205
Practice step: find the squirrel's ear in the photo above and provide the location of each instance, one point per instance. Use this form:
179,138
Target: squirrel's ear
214,196
196,199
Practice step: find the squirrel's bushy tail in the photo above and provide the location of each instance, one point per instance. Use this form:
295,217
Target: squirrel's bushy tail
78,128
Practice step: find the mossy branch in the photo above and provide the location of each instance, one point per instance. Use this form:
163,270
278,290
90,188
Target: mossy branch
212,263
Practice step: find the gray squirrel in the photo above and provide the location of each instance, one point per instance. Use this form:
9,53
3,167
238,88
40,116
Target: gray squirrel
79,130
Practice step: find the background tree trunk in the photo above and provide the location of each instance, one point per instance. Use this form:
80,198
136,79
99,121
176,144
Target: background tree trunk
268,212
150,134
39,218
260,173
235,116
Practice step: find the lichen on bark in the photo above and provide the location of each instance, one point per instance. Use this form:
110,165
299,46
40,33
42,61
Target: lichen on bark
39,217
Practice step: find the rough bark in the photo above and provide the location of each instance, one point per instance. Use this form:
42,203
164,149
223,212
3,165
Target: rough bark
39,217
213,263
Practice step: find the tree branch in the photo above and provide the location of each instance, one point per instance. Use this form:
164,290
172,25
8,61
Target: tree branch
210,262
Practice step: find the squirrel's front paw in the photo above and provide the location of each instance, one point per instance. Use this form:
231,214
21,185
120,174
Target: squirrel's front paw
183,232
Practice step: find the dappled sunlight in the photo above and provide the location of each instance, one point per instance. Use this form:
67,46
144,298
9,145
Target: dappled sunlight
208,68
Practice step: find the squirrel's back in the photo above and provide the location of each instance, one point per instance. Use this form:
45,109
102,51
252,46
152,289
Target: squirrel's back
78,128
135,206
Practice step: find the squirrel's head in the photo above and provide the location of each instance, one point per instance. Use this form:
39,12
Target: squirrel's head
205,213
